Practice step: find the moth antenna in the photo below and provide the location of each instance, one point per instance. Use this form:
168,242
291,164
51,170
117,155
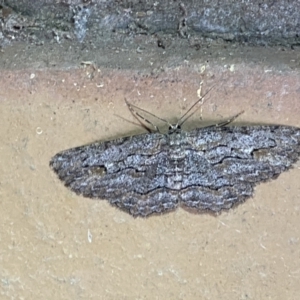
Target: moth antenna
186,115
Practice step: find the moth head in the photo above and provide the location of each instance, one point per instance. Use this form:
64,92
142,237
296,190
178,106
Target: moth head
176,128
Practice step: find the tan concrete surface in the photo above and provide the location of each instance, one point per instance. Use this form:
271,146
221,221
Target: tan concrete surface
57,245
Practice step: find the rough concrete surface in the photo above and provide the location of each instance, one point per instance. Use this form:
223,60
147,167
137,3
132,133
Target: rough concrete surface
57,245
253,22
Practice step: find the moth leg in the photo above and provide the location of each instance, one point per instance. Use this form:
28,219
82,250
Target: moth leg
147,121
137,115
224,123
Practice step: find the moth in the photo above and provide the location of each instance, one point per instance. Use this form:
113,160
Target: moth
206,169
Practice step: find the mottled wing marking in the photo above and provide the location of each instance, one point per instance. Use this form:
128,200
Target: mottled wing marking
204,169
